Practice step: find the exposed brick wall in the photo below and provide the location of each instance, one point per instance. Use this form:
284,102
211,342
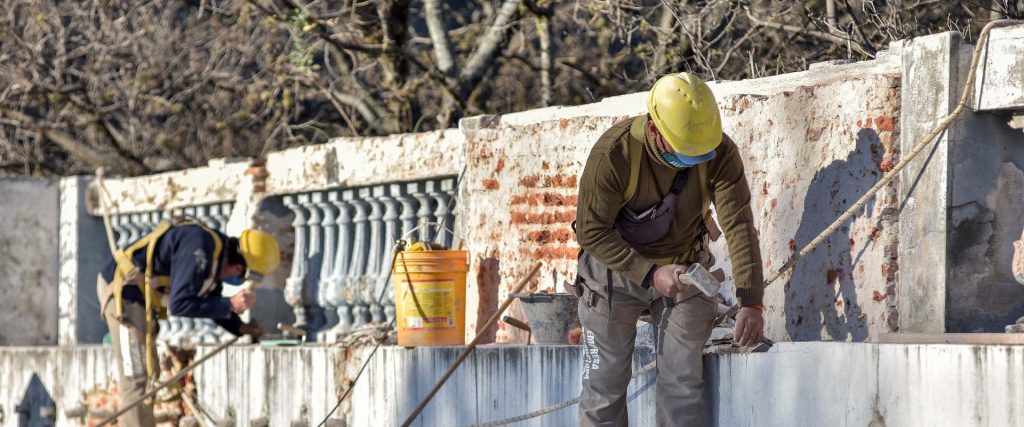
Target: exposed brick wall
520,199
809,152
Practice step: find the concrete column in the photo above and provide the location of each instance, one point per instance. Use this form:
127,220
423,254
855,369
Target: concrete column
83,252
931,66
295,284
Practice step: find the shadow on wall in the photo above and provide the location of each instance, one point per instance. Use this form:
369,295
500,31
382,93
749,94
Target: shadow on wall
821,299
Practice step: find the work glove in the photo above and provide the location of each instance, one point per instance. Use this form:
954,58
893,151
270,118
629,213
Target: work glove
666,280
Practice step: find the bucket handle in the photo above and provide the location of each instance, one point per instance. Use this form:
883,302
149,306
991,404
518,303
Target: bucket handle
418,227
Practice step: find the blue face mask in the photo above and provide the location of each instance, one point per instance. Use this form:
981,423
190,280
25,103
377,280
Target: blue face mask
234,281
674,161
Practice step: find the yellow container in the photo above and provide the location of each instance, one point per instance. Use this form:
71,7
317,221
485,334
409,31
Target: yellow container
430,297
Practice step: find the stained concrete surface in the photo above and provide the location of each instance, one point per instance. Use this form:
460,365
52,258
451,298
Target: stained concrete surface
794,384
28,261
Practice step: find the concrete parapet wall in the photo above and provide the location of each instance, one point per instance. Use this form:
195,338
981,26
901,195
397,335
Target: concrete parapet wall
67,374
794,384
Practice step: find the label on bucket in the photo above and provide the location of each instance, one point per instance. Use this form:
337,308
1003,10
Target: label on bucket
431,307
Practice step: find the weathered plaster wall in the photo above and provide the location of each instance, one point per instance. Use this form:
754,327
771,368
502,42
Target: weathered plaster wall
28,261
811,148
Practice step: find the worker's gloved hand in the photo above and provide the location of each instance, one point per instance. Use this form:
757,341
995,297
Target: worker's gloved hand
252,329
243,300
666,280
749,326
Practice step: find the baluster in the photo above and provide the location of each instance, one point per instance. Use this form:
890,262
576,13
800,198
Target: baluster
392,231
314,257
205,215
426,212
343,260
361,249
224,215
294,283
409,207
134,231
144,225
450,187
324,203
117,223
377,239
442,212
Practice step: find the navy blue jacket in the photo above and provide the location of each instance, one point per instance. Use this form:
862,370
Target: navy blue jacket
185,253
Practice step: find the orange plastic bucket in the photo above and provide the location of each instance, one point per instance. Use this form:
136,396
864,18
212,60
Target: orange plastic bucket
430,297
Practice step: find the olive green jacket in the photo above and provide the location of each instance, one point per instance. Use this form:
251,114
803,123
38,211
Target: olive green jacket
601,188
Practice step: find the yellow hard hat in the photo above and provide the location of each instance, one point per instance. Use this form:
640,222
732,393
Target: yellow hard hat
686,114
260,251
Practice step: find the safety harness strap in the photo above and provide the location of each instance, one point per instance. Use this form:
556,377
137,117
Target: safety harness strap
635,144
152,285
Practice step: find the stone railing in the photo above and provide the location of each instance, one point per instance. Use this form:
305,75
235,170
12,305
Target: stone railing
176,331
343,244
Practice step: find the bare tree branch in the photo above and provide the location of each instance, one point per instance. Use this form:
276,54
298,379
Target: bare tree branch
803,31
487,49
439,36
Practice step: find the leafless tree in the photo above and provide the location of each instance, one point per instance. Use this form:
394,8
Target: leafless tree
152,85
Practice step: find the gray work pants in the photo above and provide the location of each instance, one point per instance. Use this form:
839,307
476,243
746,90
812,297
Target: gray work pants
128,337
682,327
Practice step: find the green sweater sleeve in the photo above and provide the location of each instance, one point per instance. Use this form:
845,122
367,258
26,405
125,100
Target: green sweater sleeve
732,205
600,198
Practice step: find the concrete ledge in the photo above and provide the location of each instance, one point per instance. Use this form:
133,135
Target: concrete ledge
795,384
1000,80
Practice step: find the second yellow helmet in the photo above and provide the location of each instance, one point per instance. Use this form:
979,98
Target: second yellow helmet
260,251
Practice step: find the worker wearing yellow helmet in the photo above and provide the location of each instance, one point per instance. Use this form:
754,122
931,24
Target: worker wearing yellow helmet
179,268
642,218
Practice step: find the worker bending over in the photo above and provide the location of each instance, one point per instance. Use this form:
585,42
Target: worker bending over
180,267
642,218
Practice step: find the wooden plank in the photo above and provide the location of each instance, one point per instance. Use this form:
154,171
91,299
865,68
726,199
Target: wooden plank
967,339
